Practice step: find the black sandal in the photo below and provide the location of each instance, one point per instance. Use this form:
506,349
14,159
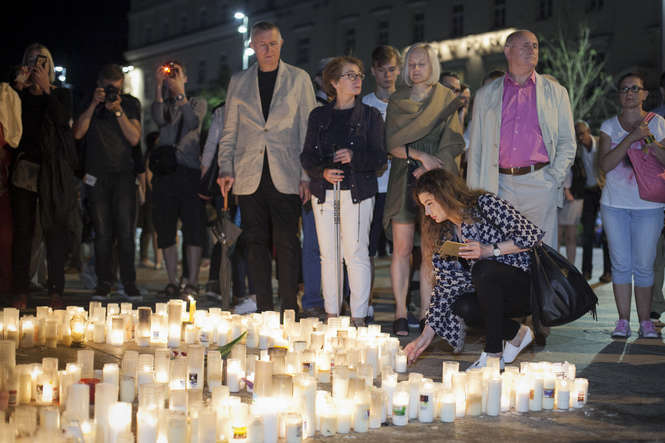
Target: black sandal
401,327
170,291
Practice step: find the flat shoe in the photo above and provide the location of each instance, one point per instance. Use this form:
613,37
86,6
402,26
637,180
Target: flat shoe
401,327
510,352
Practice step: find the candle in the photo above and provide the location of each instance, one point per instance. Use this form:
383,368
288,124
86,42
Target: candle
340,382
86,360
389,384
328,419
294,428
323,366
548,391
400,415
536,394
377,410
562,394
361,412
178,377
400,362
175,322
162,362
78,402
214,373
49,419
143,326
117,334
77,329
11,324
195,367
233,374
415,380
522,394
106,394
262,378
474,392
111,374
146,425
305,393
345,410
176,429
191,334
426,411
127,389
494,396
580,392
448,402
120,420
27,332
51,333
268,409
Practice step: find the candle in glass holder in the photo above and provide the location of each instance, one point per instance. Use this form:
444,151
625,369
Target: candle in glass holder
522,394
117,335
305,394
474,396
536,394
361,412
143,326
162,362
344,410
400,416
548,391
328,420
86,360
580,392
340,381
389,384
27,332
120,420
214,372
78,402
426,410
146,425
447,408
562,394
263,378
175,322
111,374
494,396
51,333
127,388
77,329
294,428
233,374
11,324
400,362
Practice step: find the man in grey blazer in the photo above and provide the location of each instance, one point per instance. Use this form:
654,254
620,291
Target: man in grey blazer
267,107
522,139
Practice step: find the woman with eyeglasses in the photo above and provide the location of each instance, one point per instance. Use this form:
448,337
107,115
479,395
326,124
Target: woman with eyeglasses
345,145
632,225
423,132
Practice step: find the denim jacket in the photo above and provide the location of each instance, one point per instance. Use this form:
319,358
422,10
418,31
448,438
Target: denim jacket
365,137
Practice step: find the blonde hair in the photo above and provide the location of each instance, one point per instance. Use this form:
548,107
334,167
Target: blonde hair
433,61
46,53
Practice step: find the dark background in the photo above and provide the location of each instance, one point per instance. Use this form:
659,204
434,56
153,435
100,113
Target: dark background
81,35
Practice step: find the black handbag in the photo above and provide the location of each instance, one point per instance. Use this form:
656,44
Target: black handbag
163,160
559,292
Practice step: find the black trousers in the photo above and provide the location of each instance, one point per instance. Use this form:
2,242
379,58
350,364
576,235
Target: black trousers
589,214
57,238
113,211
502,292
267,215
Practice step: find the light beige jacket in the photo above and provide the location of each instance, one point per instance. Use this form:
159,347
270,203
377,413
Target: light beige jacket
247,134
556,123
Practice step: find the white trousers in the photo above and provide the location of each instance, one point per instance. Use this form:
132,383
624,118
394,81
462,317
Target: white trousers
355,221
535,197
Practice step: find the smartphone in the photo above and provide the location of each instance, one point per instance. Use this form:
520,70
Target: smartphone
40,60
450,248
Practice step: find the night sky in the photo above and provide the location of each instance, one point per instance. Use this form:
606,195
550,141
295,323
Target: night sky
81,35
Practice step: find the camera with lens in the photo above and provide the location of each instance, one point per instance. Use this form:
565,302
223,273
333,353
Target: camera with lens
170,69
111,93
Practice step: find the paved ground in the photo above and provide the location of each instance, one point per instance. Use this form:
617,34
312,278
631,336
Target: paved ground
627,377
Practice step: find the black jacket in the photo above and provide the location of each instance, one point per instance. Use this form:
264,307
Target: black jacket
365,137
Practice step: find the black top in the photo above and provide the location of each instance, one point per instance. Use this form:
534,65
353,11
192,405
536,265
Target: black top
34,109
266,88
359,129
107,150
337,137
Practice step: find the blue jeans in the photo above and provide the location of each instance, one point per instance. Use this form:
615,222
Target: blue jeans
311,262
632,235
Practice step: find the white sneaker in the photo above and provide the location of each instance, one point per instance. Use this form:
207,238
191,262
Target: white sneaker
510,351
247,306
482,362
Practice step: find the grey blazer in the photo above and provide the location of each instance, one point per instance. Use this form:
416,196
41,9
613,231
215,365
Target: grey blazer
247,135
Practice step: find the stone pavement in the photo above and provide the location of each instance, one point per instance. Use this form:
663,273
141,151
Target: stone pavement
626,377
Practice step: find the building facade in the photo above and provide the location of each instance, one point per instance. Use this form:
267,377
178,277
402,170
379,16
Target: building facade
203,34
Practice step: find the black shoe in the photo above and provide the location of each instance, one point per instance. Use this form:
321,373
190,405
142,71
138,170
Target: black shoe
541,339
605,278
132,292
654,315
189,290
102,291
401,327
171,291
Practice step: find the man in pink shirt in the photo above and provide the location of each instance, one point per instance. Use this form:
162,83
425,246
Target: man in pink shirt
522,138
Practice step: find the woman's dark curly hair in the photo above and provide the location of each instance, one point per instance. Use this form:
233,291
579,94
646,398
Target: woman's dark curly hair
452,193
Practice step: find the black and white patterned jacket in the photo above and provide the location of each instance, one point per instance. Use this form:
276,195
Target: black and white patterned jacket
501,222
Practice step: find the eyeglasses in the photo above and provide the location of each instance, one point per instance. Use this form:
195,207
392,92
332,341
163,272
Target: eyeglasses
635,89
353,76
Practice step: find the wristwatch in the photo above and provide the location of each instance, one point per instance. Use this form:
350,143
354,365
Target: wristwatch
496,251
118,114
179,97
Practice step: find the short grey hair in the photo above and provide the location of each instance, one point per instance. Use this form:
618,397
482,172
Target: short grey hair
515,35
263,26
431,56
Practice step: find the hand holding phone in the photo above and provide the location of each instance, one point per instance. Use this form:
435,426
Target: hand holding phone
450,248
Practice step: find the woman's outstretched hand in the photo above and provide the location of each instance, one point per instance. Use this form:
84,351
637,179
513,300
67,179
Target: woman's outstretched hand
417,346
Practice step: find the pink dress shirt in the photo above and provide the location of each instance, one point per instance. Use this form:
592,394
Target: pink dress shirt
521,141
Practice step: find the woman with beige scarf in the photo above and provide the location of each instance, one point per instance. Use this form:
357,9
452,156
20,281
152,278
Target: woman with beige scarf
422,133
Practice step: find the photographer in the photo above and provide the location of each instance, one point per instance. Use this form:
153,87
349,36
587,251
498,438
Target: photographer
176,168
44,171
111,127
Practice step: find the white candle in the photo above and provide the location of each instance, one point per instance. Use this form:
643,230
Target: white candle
344,410
562,394
389,384
214,373
400,415
522,394
536,394
78,402
127,389
361,412
400,362
548,392
448,402
426,411
177,426
175,310
86,360
294,428
493,396
328,418
580,391
233,374
146,425
111,374
117,336
99,333
27,332
305,391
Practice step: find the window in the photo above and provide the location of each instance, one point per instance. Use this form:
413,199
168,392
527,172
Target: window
458,21
418,27
202,72
382,34
350,41
303,51
544,9
499,14
203,17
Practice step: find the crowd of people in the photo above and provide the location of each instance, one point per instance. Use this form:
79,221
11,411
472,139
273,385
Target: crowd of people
318,175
